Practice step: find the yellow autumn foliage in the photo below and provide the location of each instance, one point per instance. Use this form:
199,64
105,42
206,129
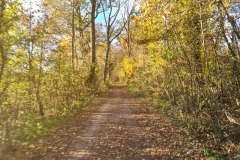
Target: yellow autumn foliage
128,65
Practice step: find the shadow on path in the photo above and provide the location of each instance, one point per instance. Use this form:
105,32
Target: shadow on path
121,126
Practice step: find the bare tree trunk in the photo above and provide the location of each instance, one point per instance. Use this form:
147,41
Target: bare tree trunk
128,38
30,56
73,34
3,61
106,60
39,100
3,56
203,39
93,41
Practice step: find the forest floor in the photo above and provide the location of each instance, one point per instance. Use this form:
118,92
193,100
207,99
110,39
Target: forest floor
117,125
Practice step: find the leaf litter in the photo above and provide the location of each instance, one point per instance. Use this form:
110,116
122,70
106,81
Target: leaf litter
117,125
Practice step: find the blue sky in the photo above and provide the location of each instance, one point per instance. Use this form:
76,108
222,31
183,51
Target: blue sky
100,18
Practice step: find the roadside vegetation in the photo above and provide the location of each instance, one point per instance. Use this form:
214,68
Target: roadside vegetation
185,59
183,56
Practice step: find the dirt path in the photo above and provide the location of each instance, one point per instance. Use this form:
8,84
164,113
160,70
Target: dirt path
120,126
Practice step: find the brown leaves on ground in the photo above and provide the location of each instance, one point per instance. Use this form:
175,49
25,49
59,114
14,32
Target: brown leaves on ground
117,126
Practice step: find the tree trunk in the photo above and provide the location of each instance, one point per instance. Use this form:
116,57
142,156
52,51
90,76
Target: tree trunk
30,56
3,61
73,35
3,56
203,39
2,8
128,38
93,40
38,96
106,60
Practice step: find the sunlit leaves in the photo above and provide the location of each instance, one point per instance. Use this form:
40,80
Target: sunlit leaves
128,64
188,47
35,69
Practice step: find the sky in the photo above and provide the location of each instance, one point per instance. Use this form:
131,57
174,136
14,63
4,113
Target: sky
100,18
33,3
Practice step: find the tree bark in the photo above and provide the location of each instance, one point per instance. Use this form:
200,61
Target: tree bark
73,35
106,60
3,61
3,56
128,38
38,96
93,41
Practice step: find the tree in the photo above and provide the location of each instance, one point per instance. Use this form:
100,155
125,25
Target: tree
8,113
190,57
42,70
114,24
92,75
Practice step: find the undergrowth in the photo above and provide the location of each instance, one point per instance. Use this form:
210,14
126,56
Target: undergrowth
35,128
215,145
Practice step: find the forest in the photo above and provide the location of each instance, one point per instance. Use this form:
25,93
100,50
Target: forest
182,56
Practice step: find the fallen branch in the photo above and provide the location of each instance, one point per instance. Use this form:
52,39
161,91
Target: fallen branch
231,118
